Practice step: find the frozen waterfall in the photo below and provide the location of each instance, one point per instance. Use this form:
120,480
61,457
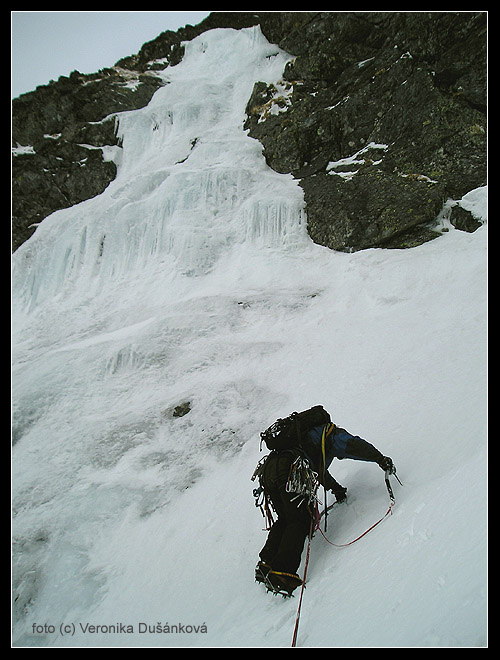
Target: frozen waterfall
191,184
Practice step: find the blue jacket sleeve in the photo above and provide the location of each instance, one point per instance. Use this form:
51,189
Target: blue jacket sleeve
340,444
345,445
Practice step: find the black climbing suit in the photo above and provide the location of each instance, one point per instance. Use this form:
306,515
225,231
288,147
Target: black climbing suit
285,542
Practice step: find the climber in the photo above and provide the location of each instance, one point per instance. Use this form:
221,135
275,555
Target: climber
281,555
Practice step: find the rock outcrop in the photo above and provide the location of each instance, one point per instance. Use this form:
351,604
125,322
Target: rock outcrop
381,117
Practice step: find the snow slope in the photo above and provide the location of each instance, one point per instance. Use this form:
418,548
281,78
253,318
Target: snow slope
192,278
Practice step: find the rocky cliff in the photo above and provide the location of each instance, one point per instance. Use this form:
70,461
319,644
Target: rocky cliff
381,117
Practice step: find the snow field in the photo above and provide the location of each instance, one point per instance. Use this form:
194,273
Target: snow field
191,278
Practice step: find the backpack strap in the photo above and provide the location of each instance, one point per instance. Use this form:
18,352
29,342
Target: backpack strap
327,431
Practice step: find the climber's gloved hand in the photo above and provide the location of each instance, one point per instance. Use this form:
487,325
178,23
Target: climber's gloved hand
340,493
387,465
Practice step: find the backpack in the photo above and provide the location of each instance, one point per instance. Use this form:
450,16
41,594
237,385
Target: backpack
289,432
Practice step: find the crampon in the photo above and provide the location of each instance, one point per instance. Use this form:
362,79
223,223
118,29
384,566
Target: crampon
277,582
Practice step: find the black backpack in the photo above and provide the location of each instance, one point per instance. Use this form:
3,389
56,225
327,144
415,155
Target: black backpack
289,432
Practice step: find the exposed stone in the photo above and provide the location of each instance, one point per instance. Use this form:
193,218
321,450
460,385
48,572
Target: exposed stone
373,209
464,220
384,120
182,409
380,116
58,135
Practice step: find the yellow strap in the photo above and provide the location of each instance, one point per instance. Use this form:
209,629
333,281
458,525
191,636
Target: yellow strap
292,575
323,447
327,429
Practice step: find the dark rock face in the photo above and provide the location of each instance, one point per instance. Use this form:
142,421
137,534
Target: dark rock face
381,117
66,124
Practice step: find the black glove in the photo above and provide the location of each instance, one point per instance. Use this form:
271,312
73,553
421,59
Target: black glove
340,493
387,465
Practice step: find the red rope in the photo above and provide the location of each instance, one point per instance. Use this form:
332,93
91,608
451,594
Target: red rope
296,628
345,545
